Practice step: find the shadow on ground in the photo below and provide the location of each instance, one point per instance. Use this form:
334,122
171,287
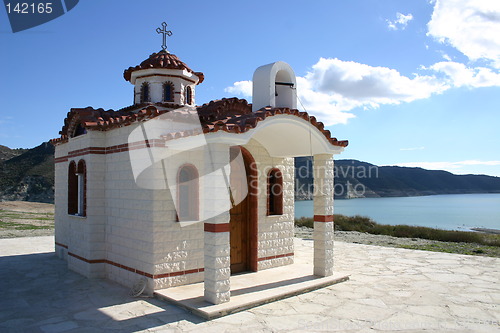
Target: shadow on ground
39,294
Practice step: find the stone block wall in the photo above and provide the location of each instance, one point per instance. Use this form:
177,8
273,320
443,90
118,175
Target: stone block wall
178,246
275,232
80,239
130,229
129,212
61,199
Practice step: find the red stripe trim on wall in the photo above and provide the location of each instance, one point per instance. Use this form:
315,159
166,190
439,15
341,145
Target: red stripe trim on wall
155,143
276,256
217,227
95,261
158,276
323,218
133,270
62,245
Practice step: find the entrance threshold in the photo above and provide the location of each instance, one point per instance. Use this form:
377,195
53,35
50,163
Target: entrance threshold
251,289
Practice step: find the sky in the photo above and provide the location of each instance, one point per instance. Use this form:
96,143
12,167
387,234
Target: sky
410,83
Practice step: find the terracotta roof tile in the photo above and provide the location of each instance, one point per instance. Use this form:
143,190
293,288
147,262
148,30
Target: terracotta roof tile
99,119
236,116
162,59
232,115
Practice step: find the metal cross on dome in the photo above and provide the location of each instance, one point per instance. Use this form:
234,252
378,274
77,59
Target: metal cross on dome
165,33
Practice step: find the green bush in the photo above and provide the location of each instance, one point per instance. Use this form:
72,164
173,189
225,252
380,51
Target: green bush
304,222
366,224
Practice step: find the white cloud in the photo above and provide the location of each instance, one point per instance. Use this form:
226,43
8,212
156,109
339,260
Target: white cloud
334,87
471,26
401,21
454,167
459,75
367,85
446,57
316,103
325,106
243,88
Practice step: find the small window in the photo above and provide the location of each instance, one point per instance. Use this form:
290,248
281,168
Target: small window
77,178
187,193
145,92
189,95
275,192
168,92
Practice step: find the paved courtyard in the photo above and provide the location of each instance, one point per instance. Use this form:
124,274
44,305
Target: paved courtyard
389,290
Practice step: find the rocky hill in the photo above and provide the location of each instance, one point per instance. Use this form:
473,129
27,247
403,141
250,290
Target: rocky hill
27,174
360,179
6,153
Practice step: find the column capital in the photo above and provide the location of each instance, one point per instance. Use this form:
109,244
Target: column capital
323,157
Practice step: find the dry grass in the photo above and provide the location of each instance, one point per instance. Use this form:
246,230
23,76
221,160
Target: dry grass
21,219
365,224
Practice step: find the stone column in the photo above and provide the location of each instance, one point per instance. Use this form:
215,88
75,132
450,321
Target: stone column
323,214
216,224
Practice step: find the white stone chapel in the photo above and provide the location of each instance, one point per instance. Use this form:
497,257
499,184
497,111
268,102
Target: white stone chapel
175,193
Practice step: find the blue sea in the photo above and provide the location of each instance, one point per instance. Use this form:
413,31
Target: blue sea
451,211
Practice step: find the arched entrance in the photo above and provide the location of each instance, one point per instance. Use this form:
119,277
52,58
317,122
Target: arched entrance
243,220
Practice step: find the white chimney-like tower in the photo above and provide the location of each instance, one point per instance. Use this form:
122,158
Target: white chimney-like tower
274,85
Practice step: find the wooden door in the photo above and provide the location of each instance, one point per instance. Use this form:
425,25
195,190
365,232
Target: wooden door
239,222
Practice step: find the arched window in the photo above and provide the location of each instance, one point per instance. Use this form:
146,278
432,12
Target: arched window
168,92
189,95
77,185
187,193
81,173
275,192
145,92
72,189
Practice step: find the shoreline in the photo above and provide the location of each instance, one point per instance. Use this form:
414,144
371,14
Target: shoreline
400,196
486,230
407,243
460,212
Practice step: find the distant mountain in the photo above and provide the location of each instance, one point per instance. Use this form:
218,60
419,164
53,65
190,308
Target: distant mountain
6,153
27,174
360,179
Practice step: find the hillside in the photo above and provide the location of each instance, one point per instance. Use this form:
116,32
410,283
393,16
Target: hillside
360,179
6,153
27,174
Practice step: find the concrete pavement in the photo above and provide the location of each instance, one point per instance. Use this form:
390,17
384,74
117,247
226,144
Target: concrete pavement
389,290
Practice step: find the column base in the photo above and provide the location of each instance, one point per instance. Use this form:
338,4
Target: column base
217,298
323,271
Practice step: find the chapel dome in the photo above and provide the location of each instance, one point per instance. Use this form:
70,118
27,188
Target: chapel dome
164,60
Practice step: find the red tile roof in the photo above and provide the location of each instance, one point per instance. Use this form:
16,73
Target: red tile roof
235,115
162,59
232,115
101,120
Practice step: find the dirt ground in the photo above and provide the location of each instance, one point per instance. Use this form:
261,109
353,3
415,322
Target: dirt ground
26,219
30,207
